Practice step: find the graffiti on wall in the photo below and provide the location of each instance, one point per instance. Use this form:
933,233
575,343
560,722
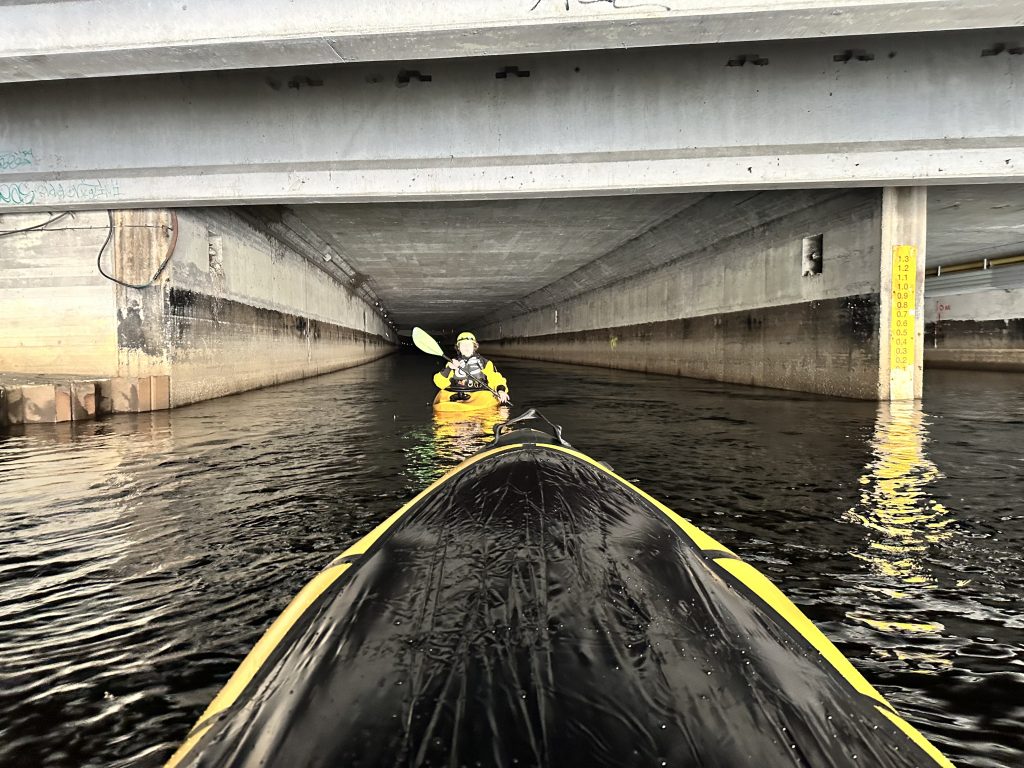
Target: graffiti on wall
13,159
57,192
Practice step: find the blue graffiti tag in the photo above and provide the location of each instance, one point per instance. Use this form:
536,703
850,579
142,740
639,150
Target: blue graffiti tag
46,192
17,194
87,191
16,159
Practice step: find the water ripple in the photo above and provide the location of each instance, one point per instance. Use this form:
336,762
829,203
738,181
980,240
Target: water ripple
142,556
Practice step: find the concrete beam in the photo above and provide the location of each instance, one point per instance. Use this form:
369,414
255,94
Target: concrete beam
80,38
924,109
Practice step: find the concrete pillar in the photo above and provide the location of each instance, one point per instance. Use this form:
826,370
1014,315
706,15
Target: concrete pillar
56,311
142,245
901,320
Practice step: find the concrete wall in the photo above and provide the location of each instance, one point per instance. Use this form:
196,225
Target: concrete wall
976,330
271,312
57,312
233,308
738,309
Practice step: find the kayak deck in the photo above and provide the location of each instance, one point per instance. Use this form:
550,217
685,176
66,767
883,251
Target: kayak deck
532,608
480,400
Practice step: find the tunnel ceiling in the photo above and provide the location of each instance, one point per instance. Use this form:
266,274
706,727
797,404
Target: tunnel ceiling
445,264
966,223
442,265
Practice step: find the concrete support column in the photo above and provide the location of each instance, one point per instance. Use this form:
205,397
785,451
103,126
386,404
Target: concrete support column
138,255
901,320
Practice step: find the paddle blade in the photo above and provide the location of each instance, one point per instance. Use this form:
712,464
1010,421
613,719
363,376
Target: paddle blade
426,342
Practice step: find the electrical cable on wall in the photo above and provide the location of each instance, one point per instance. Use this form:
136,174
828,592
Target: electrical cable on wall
34,227
163,264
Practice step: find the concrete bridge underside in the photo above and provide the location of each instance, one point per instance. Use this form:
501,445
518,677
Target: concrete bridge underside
576,279
444,265
68,39
930,108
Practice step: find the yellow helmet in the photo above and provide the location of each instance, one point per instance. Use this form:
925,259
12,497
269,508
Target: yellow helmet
466,336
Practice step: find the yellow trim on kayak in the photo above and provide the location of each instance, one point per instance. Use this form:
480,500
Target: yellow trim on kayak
185,748
695,534
759,584
917,737
259,654
360,547
773,597
273,636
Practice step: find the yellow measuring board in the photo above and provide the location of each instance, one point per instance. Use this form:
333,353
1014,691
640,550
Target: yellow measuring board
903,323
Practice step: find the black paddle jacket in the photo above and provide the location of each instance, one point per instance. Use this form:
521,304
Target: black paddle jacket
478,369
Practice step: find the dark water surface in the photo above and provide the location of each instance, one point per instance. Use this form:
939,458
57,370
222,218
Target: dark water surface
142,557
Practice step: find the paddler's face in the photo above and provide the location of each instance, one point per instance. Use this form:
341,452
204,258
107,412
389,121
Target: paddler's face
466,348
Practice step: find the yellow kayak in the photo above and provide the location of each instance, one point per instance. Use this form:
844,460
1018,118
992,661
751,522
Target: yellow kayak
480,400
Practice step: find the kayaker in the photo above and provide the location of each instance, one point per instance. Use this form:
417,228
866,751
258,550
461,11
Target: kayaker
468,371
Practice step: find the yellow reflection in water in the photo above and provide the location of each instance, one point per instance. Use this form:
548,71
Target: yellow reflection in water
896,508
464,434
452,438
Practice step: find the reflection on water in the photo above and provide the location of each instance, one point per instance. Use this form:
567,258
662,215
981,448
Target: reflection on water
141,557
448,440
896,503
901,515
457,436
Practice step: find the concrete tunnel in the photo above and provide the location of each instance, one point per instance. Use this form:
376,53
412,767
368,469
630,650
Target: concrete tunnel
805,196
203,199
783,288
